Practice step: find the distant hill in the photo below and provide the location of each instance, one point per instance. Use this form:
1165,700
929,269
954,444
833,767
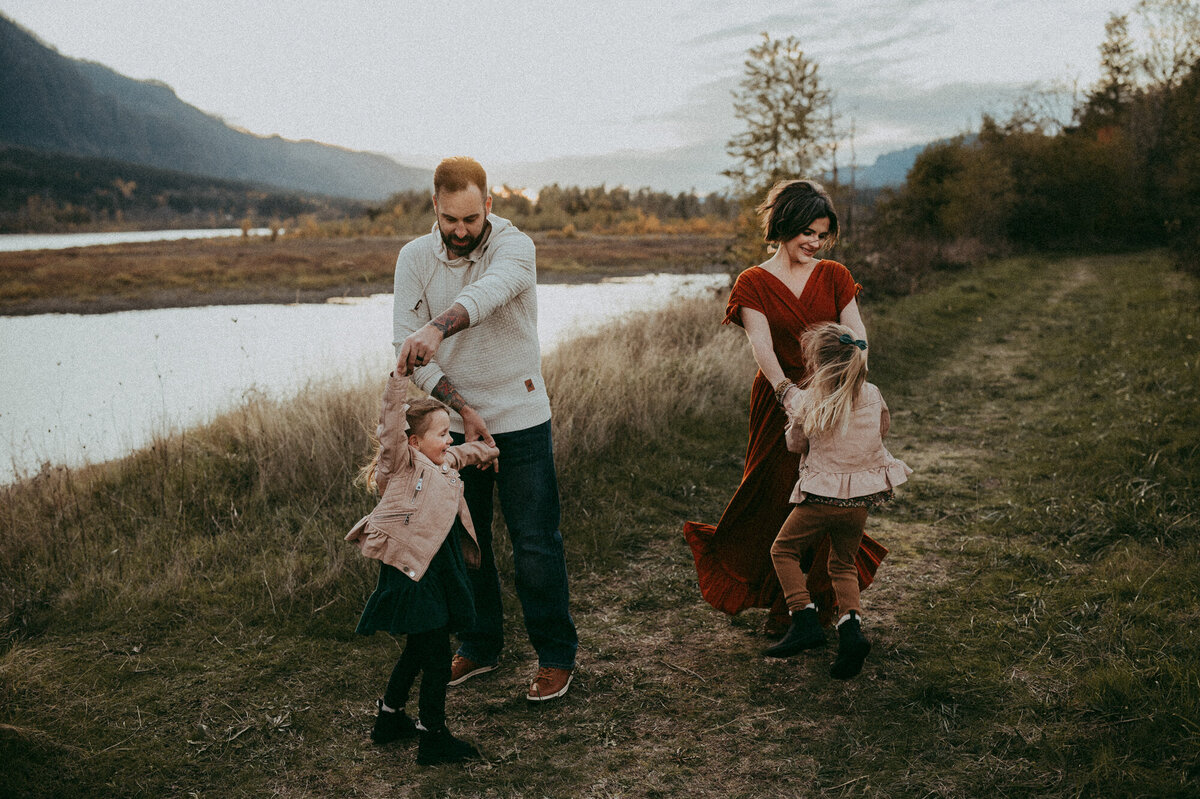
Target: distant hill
693,168
44,192
51,102
889,169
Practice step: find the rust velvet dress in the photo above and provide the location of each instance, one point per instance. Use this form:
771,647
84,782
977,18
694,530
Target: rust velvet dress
733,559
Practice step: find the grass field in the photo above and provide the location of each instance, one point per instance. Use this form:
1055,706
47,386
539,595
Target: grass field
236,271
179,623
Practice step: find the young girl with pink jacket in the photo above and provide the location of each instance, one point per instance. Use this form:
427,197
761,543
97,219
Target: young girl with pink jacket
422,535
837,422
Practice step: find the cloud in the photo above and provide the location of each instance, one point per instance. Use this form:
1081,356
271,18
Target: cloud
887,115
898,75
840,27
770,24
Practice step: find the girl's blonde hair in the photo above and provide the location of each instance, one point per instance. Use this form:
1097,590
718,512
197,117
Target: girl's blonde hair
417,417
839,370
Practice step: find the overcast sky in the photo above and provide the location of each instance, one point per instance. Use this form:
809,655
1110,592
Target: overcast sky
564,82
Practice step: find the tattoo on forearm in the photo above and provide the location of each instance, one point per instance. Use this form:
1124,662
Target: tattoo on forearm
453,320
447,393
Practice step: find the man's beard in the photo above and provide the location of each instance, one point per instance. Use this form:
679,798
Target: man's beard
459,250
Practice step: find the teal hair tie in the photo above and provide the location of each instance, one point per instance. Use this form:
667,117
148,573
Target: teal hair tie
846,338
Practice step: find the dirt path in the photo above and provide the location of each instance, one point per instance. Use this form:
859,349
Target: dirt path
664,675
922,554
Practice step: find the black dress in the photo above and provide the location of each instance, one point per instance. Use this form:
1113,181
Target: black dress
441,599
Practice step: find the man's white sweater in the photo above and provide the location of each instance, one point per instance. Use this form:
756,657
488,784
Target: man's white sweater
495,364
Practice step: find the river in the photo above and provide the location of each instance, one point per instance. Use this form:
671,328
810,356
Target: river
14,242
89,388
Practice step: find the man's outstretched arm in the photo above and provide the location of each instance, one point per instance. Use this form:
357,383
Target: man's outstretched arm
420,347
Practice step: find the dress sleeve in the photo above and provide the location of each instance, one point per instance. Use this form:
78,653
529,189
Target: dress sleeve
844,287
745,294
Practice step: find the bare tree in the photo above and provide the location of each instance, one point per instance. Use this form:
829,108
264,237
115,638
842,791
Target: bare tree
1172,29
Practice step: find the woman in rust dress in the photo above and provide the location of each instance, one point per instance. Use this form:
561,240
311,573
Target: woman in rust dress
775,303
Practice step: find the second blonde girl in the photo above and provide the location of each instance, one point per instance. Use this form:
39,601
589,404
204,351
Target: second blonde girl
837,425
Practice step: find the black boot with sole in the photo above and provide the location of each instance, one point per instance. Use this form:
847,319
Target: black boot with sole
852,649
439,746
392,726
805,633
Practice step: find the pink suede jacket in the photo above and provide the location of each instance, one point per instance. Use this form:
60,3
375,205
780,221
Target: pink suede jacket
420,498
853,463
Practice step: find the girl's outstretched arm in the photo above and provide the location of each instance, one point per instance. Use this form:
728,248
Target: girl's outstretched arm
794,436
473,453
392,430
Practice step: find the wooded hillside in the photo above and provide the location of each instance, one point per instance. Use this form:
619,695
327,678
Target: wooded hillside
58,104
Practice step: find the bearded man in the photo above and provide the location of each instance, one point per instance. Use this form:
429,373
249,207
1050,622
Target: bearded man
465,327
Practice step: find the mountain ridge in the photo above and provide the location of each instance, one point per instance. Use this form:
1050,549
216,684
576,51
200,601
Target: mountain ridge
690,168
55,103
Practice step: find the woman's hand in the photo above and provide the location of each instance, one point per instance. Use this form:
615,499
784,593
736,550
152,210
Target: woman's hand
791,401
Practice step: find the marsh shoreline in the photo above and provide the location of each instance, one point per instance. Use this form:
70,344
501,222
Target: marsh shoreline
240,271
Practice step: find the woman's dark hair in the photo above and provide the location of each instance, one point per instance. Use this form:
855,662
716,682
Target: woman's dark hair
791,206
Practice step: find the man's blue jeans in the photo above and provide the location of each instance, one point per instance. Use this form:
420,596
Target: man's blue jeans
527,486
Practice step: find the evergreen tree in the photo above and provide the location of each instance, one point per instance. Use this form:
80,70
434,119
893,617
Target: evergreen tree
1107,102
787,115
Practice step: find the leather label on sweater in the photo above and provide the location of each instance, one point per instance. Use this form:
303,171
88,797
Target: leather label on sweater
529,384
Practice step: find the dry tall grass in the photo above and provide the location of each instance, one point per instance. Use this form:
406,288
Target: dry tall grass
638,374
195,512
213,509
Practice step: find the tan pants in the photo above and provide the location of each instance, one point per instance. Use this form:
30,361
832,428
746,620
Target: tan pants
804,528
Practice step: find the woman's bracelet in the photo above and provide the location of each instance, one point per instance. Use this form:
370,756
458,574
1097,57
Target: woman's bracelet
782,388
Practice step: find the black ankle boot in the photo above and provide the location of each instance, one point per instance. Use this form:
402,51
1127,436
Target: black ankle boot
852,649
439,746
805,633
391,726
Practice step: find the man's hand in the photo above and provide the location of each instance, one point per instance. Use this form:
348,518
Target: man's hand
419,348
475,429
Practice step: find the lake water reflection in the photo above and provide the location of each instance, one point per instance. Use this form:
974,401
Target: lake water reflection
15,242
88,388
